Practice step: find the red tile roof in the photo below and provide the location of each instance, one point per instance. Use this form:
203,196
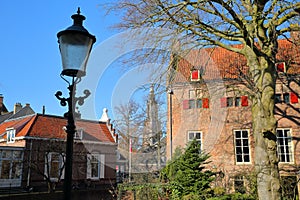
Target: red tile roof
218,63
21,125
48,126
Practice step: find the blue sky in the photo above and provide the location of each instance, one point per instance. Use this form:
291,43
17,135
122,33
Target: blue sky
30,59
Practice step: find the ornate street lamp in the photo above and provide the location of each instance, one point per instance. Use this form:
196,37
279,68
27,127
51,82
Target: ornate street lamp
75,44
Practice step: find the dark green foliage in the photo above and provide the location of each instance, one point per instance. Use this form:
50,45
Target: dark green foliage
187,176
235,196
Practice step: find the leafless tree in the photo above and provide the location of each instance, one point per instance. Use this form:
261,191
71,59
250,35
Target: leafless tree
46,160
256,25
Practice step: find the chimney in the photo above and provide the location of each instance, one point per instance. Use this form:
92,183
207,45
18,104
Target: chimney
17,107
43,110
1,104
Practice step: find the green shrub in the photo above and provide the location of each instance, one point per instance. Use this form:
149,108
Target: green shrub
234,196
186,175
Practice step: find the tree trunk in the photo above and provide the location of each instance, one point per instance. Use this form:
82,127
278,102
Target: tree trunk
264,131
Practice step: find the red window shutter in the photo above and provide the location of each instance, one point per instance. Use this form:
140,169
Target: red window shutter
205,102
223,102
244,100
195,76
185,104
280,67
294,97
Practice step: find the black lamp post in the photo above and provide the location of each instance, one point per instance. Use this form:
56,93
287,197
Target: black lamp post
75,44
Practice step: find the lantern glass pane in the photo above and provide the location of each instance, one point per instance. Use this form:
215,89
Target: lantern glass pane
75,49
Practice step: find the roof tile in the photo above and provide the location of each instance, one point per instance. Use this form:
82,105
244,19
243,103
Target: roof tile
48,126
217,63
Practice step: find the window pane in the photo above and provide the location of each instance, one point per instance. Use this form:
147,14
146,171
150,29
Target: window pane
95,170
246,158
199,103
277,98
246,150
245,134
56,162
238,134
239,158
238,150
17,154
198,93
239,184
229,101
245,142
287,133
238,143
286,98
5,169
16,170
7,154
54,169
279,133
282,158
192,103
238,101
198,136
191,136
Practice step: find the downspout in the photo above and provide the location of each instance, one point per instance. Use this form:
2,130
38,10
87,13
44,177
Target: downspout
29,165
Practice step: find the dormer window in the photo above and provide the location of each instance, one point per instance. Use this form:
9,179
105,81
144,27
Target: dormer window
78,134
10,135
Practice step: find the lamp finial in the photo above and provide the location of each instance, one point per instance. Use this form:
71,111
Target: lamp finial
78,11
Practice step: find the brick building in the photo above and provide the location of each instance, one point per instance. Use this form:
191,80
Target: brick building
32,152
210,102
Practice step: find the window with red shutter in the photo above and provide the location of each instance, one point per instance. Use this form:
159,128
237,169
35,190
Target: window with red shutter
185,104
280,67
223,102
294,97
205,102
195,75
244,100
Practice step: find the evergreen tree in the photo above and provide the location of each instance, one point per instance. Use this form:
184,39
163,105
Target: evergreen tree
187,176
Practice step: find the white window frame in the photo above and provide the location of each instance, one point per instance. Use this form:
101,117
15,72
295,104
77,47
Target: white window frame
290,145
12,159
242,146
194,137
78,134
100,159
10,135
192,94
48,162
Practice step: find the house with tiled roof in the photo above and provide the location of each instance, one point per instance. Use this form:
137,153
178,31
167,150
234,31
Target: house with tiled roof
211,103
32,152
18,110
